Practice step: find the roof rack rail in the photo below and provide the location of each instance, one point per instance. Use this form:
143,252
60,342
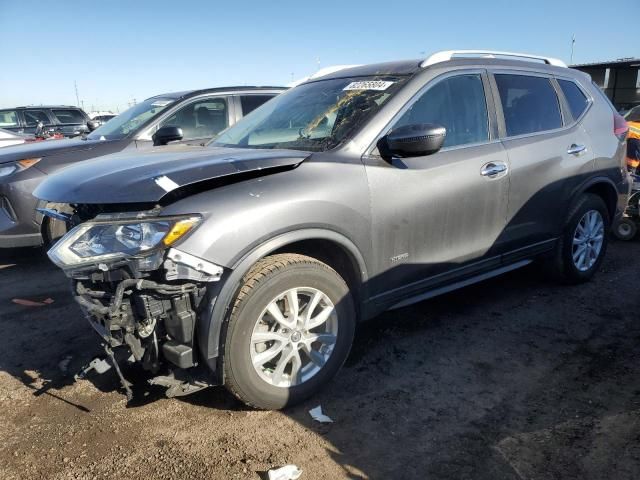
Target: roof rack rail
446,55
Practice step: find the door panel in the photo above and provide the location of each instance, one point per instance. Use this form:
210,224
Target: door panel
435,214
544,172
543,177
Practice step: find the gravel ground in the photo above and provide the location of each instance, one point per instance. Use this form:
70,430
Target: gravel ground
514,378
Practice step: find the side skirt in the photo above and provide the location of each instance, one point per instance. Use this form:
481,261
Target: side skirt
460,284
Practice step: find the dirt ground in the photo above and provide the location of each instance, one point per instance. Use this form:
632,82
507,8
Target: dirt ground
515,378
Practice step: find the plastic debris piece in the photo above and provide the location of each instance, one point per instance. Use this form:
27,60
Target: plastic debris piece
32,303
318,416
100,365
288,472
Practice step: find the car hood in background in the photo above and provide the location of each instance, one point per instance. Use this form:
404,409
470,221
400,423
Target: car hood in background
47,148
144,178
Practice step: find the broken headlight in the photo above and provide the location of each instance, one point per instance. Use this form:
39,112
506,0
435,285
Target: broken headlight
100,241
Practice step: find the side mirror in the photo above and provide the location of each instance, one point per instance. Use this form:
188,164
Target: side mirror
166,134
93,124
413,140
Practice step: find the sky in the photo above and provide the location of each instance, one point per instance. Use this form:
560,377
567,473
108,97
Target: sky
117,51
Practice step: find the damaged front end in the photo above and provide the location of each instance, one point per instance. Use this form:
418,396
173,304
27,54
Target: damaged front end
140,292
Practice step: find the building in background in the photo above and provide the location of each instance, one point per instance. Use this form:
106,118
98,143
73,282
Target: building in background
619,79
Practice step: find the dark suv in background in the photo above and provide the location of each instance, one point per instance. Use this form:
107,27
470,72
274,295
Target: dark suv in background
67,120
249,262
190,117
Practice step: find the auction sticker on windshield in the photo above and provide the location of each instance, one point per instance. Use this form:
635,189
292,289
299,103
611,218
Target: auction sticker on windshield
369,85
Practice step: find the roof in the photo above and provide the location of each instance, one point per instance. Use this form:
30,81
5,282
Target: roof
42,106
405,67
620,62
190,93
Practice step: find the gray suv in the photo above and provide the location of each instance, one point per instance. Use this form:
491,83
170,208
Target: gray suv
248,263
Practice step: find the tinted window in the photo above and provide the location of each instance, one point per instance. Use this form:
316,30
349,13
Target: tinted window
530,104
202,119
251,102
575,98
69,116
8,118
32,117
458,104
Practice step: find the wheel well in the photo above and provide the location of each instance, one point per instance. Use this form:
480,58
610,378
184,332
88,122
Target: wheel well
608,195
334,255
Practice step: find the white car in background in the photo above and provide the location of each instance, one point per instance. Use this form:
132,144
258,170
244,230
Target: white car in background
10,138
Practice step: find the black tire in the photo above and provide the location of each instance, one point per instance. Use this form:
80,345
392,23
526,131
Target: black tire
625,229
562,266
269,278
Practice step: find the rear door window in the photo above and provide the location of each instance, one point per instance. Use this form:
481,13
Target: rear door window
251,102
529,104
32,117
457,103
8,118
576,99
68,116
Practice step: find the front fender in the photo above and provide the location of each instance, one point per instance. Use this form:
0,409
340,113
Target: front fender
221,294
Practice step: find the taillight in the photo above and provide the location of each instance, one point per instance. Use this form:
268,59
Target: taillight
620,127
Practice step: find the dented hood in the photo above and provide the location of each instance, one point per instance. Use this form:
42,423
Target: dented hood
147,177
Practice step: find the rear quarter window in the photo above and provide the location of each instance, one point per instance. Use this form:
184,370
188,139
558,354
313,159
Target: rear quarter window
68,116
529,104
577,100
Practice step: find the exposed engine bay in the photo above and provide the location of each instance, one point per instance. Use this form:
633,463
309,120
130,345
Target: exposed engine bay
146,303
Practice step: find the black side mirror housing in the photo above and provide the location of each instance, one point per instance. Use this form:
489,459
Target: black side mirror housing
93,124
166,134
413,140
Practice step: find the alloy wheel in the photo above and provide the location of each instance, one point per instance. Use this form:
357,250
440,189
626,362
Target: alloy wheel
294,337
587,240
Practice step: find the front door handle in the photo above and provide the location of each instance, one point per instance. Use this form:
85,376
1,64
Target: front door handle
493,169
576,149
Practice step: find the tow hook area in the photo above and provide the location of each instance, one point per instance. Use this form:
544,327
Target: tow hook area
178,383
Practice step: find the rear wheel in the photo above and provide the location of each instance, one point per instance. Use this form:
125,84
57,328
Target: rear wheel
289,332
625,229
583,243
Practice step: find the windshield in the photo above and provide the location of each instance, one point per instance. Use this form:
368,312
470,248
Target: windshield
131,119
315,116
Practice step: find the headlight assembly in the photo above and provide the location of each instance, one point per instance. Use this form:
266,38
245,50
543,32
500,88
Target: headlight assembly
100,241
20,165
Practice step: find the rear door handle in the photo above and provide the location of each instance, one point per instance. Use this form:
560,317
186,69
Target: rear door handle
576,149
493,169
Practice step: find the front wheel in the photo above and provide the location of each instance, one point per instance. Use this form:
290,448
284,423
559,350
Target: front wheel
289,332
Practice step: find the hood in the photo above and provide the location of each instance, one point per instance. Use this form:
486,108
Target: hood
144,178
47,148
